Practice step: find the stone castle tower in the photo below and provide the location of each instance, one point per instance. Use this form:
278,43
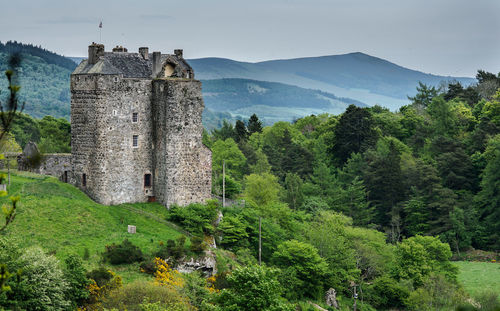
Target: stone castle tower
136,131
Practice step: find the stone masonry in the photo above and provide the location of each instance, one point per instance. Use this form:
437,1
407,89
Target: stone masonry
136,131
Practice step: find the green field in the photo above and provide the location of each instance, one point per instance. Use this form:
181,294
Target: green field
63,220
478,277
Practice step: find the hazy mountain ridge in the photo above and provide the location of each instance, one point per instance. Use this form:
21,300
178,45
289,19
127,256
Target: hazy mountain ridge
359,76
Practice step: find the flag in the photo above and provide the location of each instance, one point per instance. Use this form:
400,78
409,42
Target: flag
100,24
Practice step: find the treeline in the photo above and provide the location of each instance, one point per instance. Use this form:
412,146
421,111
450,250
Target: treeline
52,135
43,80
432,168
13,47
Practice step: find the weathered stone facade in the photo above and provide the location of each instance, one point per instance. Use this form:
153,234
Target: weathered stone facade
136,128
53,164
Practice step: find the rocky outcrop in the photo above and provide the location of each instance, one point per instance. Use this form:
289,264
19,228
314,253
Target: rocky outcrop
331,298
206,264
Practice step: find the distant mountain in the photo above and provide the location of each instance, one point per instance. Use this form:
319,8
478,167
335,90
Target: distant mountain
270,100
77,60
356,75
274,90
44,79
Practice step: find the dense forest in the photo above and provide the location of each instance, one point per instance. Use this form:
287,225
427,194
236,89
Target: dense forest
43,76
370,204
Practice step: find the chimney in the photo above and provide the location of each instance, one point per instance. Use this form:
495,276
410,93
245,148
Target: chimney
119,49
144,51
156,63
178,53
95,52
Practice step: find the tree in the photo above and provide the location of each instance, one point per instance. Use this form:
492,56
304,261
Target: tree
303,269
418,256
294,195
424,95
240,131
74,274
488,199
262,189
227,150
384,182
11,107
253,288
225,132
328,234
254,124
354,133
42,285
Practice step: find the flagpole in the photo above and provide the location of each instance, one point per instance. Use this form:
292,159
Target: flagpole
100,31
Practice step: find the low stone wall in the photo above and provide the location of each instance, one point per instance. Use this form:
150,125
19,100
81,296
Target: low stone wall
53,164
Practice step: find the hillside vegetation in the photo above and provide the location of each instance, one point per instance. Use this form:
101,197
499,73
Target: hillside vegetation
44,77
272,101
65,221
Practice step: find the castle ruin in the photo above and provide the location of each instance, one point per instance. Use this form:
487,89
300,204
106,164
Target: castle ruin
136,131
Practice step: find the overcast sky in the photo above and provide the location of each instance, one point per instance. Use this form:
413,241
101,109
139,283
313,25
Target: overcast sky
448,37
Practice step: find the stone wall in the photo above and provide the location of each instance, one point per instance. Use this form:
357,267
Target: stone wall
88,138
53,164
102,133
182,165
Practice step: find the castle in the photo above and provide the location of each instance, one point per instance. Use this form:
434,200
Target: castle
136,131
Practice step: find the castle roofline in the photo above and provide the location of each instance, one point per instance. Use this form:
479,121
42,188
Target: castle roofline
129,64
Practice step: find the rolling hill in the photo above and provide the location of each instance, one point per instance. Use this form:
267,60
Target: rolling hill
275,90
358,76
44,79
270,100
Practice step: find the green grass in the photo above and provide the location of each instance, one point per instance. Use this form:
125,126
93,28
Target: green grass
63,220
479,277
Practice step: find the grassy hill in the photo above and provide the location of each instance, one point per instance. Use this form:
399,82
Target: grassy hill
479,277
63,220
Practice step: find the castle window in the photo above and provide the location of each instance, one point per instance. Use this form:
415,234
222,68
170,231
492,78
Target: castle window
147,180
135,141
84,180
116,79
115,113
135,117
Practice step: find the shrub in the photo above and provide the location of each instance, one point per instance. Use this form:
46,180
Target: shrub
386,292
126,252
99,289
196,218
419,256
304,270
75,276
233,187
142,295
436,293
173,249
42,285
253,288
148,266
100,275
197,244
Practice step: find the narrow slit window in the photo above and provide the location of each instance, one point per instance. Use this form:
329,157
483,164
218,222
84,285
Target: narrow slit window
135,117
84,180
147,180
135,140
